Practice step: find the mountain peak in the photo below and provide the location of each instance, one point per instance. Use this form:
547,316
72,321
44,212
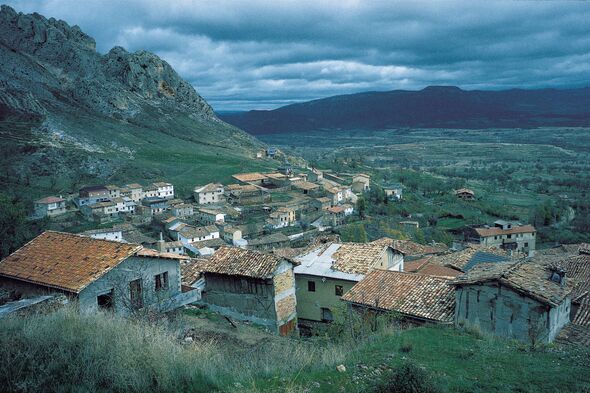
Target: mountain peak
53,56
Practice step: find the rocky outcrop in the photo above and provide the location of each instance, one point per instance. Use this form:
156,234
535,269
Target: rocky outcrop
57,64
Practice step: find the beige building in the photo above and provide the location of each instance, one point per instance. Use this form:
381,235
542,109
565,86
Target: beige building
361,183
327,272
505,235
49,207
211,193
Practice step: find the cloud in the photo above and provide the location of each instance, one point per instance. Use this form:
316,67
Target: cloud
263,54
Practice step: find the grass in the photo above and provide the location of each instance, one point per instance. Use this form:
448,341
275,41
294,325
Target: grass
67,351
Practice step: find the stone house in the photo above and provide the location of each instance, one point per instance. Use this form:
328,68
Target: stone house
361,183
269,242
114,191
210,216
113,234
527,301
417,298
506,235
231,234
98,274
211,193
306,187
92,194
49,207
322,203
465,193
100,211
150,191
164,190
190,234
330,270
394,192
182,210
154,205
409,225
336,215
254,178
282,217
135,192
316,175
252,286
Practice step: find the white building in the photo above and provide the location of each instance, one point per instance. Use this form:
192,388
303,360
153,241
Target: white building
164,190
208,194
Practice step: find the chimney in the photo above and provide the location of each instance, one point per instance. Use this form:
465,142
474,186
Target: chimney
557,273
160,244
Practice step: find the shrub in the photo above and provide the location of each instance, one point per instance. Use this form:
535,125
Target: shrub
407,378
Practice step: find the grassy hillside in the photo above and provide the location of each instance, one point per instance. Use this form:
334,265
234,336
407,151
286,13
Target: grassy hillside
66,352
39,158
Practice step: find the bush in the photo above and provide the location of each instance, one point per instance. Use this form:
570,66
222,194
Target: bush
407,378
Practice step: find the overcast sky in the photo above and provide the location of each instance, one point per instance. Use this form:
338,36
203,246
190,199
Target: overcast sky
264,54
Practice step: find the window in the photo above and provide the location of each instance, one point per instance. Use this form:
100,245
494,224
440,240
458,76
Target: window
135,293
327,315
311,286
105,301
338,290
526,244
161,281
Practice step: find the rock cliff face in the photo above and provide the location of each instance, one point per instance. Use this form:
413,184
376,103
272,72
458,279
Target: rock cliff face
71,116
55,61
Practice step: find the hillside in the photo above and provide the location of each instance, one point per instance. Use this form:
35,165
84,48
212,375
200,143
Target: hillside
432,107
70,115
105,352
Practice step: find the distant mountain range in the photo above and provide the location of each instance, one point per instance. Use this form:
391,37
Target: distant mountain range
70,115
432,107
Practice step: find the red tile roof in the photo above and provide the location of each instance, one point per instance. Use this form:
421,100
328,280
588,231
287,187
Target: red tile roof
413,295
494,231
49,199
65,261
235,261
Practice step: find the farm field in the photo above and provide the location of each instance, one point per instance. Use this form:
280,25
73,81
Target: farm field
539,176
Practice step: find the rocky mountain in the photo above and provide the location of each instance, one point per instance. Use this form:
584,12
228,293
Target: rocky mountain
432,107
72,115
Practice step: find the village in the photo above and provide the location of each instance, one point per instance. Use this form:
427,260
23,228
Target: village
266,250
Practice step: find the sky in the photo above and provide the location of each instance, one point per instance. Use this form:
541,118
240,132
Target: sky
243,55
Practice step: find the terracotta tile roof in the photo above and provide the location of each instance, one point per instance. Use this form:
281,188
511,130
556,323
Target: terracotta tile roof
195,232
578,270
192,270
210,243
357,258
149,253
134,186
417,264
248,177
336,209
410,248
240,262
65,261
495,231
49,199
582,316
413,295
305,185
526,277
432,269
277,237
471,256
211,187
323,200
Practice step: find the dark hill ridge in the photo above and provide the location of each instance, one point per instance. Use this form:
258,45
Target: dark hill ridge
432,107
70,115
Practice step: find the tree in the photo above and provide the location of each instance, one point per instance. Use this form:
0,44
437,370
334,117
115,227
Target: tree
361,206
15,230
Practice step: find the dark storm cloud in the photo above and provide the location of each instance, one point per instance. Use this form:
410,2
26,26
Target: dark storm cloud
261,54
